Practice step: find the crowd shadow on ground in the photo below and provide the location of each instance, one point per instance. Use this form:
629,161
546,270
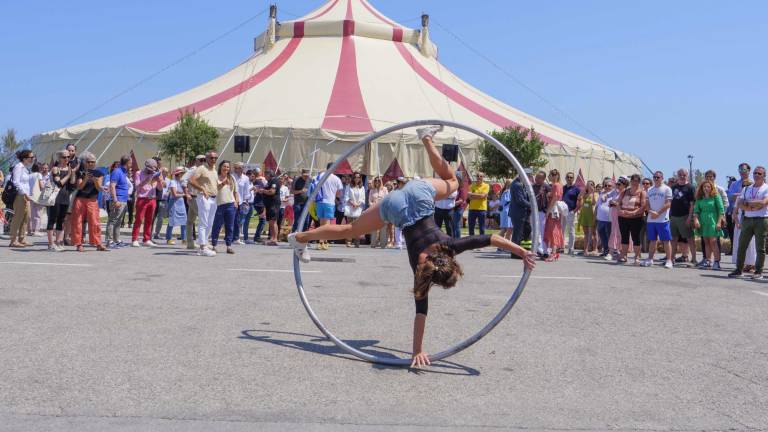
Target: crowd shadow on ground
321,345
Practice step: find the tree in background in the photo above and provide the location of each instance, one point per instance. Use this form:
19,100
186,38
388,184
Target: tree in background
10,143
190,137
525,144
8,147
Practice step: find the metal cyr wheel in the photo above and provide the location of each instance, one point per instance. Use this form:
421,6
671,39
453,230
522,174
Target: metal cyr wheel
483,331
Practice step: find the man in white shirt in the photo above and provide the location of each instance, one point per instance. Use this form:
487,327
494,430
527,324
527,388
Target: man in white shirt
658,204
244,211
754,202
326,200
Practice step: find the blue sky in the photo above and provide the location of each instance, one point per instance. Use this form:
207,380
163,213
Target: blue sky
659,79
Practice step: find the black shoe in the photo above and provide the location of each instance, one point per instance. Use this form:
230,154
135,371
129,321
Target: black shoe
681,260
734,274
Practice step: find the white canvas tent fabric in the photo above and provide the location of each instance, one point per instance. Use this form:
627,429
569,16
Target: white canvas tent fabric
320,84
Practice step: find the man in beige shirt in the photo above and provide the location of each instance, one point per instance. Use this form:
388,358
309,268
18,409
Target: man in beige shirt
205,180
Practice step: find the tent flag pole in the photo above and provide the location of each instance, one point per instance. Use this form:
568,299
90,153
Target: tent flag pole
378,160
110,144
95,139
256,145
280,159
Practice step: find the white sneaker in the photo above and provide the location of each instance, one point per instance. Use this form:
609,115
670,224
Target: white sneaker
645,263
149,243
300,249
135,244
669,265
240,242
428,131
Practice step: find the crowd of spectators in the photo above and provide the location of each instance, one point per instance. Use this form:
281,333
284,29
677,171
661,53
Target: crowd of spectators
626,220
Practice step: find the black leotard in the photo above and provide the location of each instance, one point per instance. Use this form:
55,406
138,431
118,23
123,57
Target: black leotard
425,233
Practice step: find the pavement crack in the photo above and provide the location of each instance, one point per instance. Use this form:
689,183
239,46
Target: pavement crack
730,372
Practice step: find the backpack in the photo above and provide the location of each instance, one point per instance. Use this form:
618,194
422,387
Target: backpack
9,193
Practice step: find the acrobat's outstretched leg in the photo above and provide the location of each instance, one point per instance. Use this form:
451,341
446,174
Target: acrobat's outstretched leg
447,184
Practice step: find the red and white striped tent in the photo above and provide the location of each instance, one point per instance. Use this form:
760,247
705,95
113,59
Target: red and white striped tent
317,84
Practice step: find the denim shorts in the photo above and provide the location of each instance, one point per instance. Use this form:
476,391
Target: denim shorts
404,207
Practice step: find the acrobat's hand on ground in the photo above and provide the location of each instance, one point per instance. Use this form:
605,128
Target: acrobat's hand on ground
420,359
529,261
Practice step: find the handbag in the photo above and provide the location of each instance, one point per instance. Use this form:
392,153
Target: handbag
72,196
48,195
9,194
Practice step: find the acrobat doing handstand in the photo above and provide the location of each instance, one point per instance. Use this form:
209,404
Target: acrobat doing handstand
431,253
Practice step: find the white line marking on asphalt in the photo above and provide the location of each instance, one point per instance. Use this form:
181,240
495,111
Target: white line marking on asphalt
272,271
761,293
540,277
45,263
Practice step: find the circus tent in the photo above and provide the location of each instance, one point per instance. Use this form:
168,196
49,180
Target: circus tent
317,84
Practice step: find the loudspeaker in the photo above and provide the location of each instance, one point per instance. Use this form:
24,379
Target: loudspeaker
242,144
451,152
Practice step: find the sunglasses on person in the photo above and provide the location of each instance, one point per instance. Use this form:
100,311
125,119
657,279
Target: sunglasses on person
658,178
646,183
757,173
743,170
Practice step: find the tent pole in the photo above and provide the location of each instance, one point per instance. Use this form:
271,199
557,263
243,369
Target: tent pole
378,160
95,139
465,161
256,145
228,141
81,138
285,144
110,144
312,164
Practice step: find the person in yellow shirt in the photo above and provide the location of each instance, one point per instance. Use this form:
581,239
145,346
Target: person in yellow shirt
478,203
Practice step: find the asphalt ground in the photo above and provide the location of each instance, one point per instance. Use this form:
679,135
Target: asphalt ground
158,339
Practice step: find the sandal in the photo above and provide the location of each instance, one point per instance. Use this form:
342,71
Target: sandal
80,249
101,248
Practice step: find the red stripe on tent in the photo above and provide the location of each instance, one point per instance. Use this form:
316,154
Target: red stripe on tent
270,163
393,171
346,108
160,121
377,14
437,84
397,34
349,15
349,28
324,12
298,29
344,168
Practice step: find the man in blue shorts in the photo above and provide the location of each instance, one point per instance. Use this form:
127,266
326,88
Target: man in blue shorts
658,205
326,201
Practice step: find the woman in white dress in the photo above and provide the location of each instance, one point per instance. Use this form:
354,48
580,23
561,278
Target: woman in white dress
353,208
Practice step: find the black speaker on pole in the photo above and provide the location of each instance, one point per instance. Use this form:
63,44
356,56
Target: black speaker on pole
242,144
451,152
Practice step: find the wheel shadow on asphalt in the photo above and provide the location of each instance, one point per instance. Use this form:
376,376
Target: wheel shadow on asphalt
321,345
